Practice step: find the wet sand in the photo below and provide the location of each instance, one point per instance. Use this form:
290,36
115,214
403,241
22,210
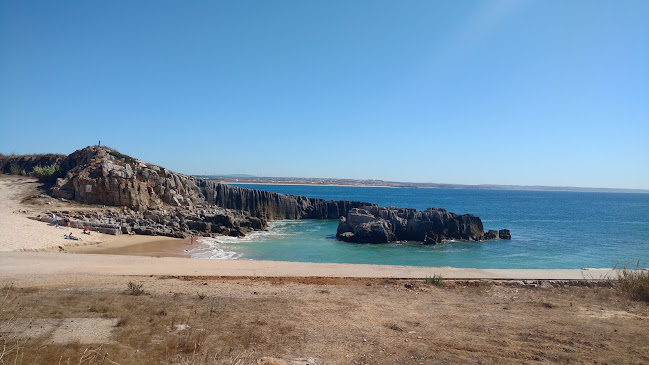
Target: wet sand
155,246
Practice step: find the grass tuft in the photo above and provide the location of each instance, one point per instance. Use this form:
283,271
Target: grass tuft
15,169
134,288
436,280
116,153
634,281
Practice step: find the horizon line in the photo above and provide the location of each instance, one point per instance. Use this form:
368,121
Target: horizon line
460,186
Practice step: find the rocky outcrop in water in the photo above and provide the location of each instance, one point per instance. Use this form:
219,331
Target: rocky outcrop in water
374,224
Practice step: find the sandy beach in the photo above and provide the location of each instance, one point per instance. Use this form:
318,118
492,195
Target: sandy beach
20,233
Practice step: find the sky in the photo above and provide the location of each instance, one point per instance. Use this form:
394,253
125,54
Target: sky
538,92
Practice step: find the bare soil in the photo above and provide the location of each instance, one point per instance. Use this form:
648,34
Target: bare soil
213,320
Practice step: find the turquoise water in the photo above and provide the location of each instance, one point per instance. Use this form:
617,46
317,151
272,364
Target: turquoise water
551,230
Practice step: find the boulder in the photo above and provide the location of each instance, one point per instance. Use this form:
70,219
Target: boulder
491,235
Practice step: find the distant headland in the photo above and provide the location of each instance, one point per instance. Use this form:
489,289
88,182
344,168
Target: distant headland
245,179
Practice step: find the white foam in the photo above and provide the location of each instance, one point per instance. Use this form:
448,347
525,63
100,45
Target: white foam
215,250
221,247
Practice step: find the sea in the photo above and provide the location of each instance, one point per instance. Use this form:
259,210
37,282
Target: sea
550,230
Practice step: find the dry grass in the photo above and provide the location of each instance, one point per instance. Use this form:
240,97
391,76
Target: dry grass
134,288
436,280
634,281
378,321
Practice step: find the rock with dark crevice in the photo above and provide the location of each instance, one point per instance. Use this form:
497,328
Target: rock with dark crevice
374,224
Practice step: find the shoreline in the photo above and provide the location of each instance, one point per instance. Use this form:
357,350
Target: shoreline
138,245
19,265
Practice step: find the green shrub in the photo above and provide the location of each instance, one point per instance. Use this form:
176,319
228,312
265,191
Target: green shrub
118,154
436,280
15,169
48,173
634,282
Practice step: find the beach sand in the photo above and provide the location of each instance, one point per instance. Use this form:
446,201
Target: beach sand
156,246
19,233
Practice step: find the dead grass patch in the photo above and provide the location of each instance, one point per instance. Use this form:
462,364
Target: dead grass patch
634,281
461,324
134,288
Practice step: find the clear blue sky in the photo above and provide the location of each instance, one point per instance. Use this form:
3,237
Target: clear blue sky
500,92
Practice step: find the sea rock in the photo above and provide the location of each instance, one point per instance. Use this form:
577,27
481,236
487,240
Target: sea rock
373,224
491,235
504,234
362,227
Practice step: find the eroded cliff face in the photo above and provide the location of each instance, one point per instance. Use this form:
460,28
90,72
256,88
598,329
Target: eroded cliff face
102,176
274,206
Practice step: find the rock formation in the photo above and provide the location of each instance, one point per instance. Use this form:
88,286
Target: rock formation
374,224
170,222
158,201
103,176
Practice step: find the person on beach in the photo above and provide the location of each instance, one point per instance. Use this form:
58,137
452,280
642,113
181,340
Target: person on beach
86,231
67,221
191,239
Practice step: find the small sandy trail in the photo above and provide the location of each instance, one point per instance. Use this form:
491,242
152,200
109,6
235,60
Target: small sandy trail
18,232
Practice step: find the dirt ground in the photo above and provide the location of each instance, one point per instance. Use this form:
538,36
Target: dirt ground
211,320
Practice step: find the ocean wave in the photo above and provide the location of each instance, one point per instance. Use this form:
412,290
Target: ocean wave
224,247
214,251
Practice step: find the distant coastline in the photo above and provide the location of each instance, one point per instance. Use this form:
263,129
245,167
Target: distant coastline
254,180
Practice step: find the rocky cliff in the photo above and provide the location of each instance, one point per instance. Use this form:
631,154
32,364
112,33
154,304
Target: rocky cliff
374,224
99,175
163,202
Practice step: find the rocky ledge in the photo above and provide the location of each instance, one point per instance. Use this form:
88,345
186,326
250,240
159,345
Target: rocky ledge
374,224
171,222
